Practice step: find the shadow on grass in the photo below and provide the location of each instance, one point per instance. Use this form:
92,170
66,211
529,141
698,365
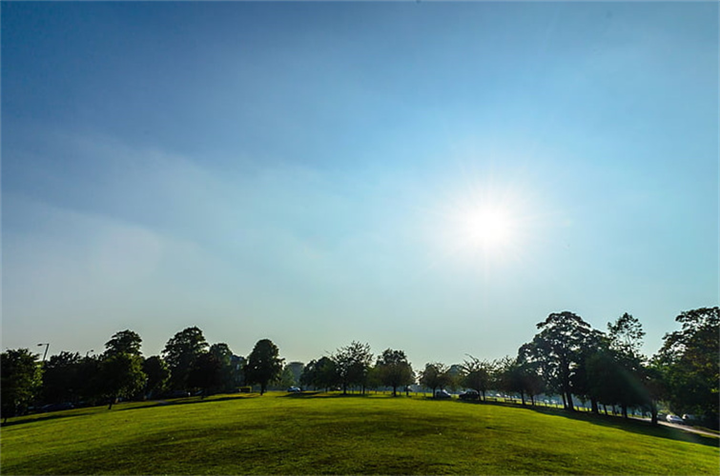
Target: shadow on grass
30,419
609,421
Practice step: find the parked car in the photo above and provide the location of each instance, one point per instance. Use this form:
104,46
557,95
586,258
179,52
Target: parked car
442,394
674,419
469,395
294,390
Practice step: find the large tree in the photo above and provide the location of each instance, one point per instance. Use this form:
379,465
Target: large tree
477,374
352,363
21,380
321,373
127,342
394,370
206,374
229,378
557,348
690,364
263,364
435,375
60,381
122,376
181,352
158,373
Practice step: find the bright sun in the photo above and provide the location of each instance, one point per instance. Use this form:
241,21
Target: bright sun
488,227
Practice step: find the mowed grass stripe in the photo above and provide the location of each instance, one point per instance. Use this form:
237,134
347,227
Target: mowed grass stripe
278,434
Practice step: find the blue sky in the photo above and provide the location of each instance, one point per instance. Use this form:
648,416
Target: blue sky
308,172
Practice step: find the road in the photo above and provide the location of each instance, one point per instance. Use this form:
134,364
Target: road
689,428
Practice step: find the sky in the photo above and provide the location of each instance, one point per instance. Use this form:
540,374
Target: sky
426,176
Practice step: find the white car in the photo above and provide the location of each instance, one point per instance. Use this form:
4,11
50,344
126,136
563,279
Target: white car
674,419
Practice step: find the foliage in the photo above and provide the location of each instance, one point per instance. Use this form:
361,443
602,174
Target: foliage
352,363
556,349
122,376
264,364
206,374
158,373
123,342
61,378
394,370
230,370
477,374
181,352
21,380
320,373
435,375
518,376
691,368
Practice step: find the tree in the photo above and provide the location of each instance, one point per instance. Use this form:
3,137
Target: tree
158,373
477,374
518,376
434,376
352,363
181,352
60,380
122,376
690,364
394,370
90,379
320,373
263,364
556,348
21,380
127,342
206,373
228,370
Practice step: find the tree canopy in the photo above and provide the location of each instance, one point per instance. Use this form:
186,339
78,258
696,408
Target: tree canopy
263,364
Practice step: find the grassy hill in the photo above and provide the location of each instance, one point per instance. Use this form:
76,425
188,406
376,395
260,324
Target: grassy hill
324,434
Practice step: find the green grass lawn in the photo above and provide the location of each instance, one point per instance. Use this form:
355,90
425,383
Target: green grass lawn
299,434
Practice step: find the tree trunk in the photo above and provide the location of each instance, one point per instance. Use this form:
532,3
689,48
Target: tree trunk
564,399
653,413
522,396
594,404
624,410
570,405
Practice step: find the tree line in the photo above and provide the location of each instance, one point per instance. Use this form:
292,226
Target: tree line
566,357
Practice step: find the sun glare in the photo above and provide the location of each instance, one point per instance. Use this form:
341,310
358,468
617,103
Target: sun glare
488,227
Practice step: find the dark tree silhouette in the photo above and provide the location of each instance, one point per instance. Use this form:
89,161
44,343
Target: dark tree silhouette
21,380
206,374
123,342
158,373
263,364
181,352
61,382
122,376
557,347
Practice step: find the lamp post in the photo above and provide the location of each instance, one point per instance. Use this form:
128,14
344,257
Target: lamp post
47,346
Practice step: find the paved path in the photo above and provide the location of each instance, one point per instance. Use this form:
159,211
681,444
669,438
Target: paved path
689,428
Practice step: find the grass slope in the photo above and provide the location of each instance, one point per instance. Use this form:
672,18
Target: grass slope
278,434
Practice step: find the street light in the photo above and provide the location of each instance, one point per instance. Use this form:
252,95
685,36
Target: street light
47,346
